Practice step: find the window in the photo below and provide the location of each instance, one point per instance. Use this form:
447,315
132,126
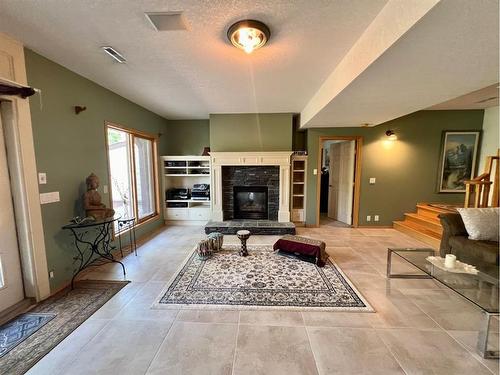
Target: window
132,171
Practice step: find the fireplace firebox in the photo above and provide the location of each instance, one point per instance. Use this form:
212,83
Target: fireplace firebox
250,202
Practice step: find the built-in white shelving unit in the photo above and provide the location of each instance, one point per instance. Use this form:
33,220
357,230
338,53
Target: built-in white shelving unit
298,189
182,172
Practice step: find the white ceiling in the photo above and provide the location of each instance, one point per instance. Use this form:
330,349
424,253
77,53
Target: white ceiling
189,74
481,99
417,53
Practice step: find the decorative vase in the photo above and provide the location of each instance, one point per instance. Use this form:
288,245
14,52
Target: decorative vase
203,249
216,241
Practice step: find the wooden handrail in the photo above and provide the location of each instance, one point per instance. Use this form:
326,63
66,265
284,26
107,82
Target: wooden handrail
479,187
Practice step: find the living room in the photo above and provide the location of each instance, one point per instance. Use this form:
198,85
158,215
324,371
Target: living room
177,196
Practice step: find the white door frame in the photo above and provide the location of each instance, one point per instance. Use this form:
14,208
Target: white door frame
22,167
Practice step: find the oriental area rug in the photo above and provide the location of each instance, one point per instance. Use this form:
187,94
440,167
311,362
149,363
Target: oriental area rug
27,338
262,280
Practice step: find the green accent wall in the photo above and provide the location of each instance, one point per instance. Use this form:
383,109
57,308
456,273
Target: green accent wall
405,170
187,137
251,132
69,147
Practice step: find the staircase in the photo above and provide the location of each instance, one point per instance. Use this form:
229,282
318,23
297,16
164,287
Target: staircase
423,225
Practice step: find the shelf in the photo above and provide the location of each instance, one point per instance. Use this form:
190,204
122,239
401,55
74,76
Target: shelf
184,201
188,175
298,195
198,167
299,170
175,167
298,183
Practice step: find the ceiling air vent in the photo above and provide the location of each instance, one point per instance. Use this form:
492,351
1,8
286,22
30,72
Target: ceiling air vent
167,21
114,54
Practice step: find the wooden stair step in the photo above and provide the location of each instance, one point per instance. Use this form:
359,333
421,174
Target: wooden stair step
425,221
419,232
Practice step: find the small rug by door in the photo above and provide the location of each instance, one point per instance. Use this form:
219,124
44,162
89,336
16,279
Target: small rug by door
262,280
34,334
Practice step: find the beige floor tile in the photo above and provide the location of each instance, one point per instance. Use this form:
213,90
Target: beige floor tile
273,350
447,308
396,310
122,347
208,316
338,319
196,348
57,361
430,352
353,351
469,340
277,318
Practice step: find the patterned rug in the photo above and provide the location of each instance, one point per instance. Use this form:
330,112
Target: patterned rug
67,309
263,280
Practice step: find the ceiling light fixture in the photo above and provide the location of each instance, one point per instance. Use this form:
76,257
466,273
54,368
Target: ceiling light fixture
248,35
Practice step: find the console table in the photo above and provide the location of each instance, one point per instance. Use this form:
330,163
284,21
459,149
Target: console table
92,241
481,289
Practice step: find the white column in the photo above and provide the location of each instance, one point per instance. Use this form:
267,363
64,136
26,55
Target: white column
284,202
216,193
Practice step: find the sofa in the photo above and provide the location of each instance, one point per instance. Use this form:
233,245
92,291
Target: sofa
455,240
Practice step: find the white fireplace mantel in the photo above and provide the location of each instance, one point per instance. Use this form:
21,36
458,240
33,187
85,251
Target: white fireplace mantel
276,158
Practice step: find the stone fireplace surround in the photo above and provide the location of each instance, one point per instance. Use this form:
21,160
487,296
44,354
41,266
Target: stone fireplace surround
259,163
250,176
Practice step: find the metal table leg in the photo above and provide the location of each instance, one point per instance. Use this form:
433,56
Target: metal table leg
391,275
482,341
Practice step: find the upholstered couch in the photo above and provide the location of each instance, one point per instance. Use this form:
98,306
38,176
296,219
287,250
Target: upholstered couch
482,254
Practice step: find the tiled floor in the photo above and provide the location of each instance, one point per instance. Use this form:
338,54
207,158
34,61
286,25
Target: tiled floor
420,327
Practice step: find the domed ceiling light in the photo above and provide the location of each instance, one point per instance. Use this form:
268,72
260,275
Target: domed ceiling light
248,35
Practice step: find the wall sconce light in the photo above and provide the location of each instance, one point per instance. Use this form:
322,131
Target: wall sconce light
391,136
79,108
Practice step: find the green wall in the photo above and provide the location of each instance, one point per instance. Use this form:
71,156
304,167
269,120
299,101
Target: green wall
406,170
187,137
69,147
251,132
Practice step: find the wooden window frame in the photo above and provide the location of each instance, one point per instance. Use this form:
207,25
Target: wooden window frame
154,139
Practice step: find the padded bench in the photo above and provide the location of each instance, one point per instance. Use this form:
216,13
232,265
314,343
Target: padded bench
303,246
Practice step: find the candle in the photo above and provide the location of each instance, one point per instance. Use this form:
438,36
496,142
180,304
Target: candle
449,261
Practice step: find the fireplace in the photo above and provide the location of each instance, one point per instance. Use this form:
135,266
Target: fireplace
250,202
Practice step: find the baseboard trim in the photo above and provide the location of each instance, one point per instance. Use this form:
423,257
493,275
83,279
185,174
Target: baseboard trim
19,308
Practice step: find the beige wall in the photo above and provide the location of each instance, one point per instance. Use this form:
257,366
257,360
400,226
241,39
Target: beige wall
490,136
251,132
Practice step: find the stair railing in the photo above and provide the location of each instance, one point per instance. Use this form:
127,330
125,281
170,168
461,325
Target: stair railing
477,190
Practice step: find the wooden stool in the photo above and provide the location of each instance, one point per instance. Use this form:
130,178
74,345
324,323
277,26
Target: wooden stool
243,235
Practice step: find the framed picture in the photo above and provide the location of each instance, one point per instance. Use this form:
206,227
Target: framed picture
458,160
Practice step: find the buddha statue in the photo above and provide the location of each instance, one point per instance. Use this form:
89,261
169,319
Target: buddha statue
92,200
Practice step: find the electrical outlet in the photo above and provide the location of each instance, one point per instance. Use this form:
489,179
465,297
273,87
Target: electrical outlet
376,218
368,218
51,274
42,178
372,180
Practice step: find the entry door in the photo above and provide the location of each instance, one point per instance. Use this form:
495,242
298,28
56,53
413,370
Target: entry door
334,178
346,182
11,282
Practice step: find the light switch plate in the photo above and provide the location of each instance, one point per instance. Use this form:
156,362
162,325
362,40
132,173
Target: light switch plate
372,180
368,218
376,218
42,178
315,172
105,189
49,197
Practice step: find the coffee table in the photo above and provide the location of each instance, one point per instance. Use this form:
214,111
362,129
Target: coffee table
481,289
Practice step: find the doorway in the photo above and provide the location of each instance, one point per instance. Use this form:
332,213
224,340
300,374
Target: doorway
11,278
338,181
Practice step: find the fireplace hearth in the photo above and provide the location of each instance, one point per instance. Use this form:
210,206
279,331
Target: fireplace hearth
250,202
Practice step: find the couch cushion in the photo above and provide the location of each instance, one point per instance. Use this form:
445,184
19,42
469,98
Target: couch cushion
481,223
477,253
